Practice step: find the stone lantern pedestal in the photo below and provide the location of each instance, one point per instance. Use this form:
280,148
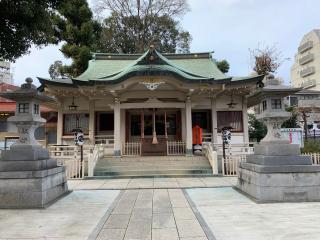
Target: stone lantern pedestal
29,178
277,172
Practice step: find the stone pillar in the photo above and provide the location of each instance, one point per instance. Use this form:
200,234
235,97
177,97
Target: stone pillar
188,127
117,128
91,121
245,120
214,120
60,123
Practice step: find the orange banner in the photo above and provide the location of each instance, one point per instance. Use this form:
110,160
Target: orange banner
197,135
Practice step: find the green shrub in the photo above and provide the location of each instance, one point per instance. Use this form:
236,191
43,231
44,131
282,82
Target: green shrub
311,146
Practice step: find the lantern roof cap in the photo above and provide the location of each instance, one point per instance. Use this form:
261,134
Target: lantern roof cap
27,91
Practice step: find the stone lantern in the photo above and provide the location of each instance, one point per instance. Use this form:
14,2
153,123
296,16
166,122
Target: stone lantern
271,110
27,115
28,176
277,172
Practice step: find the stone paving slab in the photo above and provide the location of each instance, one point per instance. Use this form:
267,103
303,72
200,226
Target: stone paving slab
153,214
72,217
152,183
230,215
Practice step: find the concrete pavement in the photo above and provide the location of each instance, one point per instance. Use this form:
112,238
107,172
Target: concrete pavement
157,214
152,183
194,208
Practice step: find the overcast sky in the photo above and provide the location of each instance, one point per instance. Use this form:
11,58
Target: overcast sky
227,27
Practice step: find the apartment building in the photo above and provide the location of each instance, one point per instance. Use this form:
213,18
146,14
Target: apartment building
5,73
305,71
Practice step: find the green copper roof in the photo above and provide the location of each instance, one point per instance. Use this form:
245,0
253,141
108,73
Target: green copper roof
113,68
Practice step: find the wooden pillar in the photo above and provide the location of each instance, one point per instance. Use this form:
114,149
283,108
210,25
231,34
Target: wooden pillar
117,128
154,133
188,127
60,123
214,120
91,121
245,120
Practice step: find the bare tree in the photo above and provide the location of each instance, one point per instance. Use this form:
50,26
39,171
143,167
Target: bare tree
142,8
266,60
132,25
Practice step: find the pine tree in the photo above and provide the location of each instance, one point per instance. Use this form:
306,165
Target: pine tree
79,32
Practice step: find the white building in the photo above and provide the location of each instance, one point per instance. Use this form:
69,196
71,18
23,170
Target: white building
5,73
305,71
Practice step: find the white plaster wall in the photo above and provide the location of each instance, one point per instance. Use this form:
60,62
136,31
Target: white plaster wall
223,100
81,102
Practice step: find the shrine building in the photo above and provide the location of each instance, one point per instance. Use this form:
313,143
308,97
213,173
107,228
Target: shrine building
147,104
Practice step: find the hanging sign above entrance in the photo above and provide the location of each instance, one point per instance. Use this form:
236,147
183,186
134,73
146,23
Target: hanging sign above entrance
152,85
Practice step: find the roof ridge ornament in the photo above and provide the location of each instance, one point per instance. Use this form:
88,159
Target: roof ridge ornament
28,84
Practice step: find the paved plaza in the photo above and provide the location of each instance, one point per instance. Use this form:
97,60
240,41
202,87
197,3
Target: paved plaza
150,183
161,208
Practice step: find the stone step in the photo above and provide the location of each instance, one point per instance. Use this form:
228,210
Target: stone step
156,158
143,173
150,168
166,164
153,166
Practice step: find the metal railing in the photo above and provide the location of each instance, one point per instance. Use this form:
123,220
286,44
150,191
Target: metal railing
308,83
176,148
305,59
230,164
131,149
307,71
304,47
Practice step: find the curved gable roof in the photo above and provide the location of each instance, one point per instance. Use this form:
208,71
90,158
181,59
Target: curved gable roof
113,68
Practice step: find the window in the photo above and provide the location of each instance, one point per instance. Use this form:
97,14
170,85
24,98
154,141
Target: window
23,107
135,125
172,124
3,125
202,119
276,103
264,105
293,101
230,119
73,121
36,108
105,121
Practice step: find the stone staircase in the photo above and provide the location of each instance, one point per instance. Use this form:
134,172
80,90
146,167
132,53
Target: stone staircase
153,166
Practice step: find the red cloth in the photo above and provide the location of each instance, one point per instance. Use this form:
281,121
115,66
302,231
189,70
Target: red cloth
197,135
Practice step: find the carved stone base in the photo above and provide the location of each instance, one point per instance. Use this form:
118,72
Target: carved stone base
278,173
29,178
275,185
